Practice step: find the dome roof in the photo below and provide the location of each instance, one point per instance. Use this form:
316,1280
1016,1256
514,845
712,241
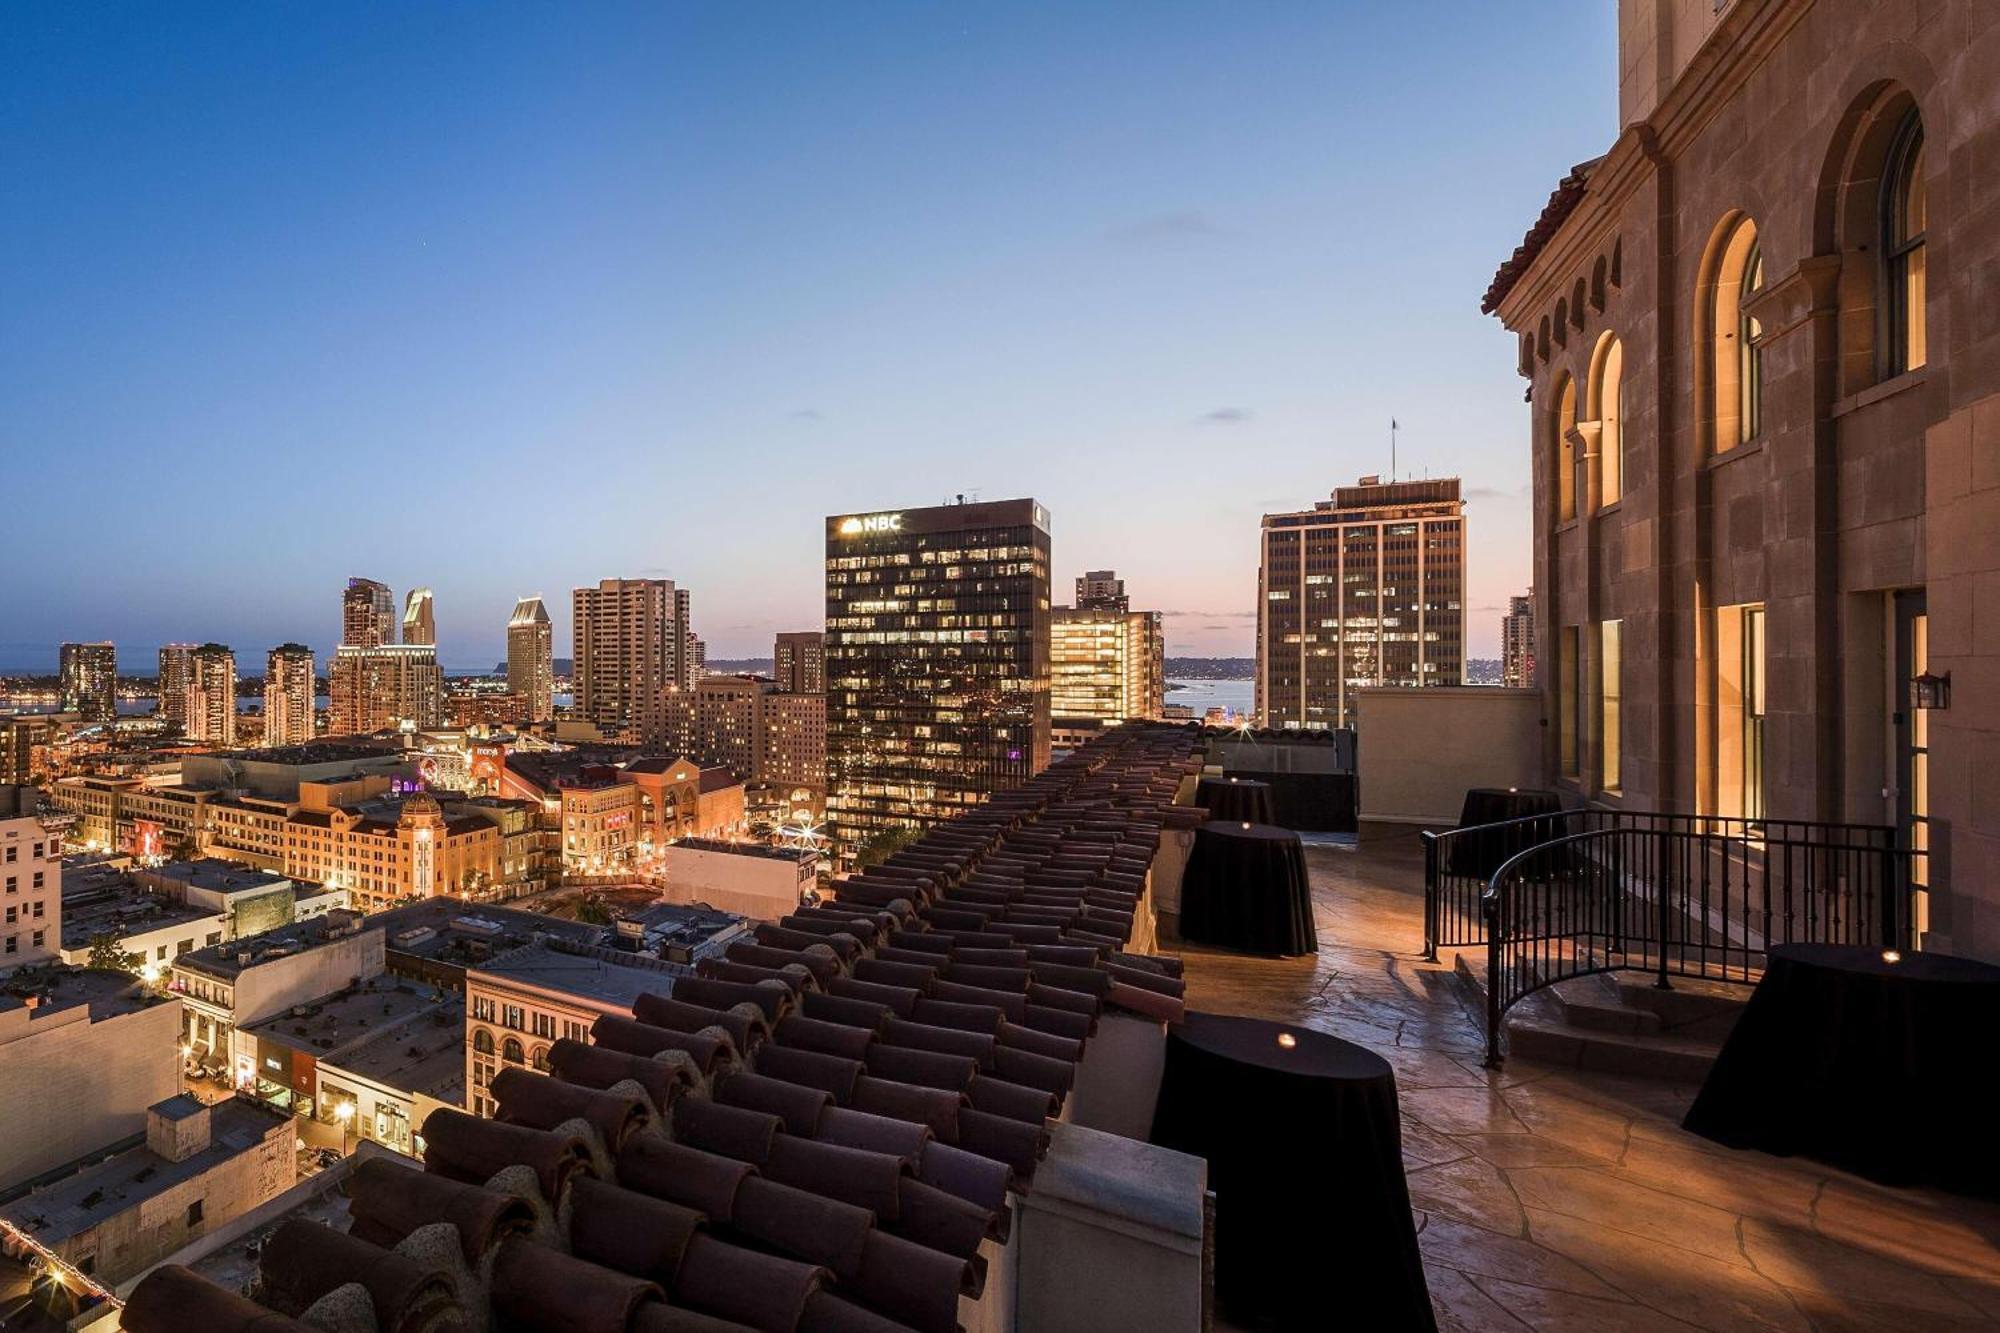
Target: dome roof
423,805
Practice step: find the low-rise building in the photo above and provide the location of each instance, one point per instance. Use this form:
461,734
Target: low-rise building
386,852
435,940
749,878
199,1168
83,1053
394,1079
30,881
238,983
288,1051
104,904
520,1003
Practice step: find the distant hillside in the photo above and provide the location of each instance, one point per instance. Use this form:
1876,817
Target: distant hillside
759,666
1211,668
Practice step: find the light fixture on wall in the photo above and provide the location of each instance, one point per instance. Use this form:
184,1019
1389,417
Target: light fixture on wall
1930,691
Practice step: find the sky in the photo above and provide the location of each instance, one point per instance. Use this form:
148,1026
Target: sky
506,298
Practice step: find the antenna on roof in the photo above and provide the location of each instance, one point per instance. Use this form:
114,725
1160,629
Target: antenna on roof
1392,450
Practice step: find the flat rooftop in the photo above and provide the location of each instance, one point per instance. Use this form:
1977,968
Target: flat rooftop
449,930
795,855
345,1020
423,1054
219,876
227,960
76,1203
116,905
603,976
54,988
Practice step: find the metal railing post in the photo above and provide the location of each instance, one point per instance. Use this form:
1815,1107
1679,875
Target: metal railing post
1432,907
1892,901
1493,1006
1660,900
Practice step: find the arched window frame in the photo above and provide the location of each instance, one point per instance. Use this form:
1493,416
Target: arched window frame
1905,287
1605,402
511,1052
1735,376
1563,454
482,1041
1750,347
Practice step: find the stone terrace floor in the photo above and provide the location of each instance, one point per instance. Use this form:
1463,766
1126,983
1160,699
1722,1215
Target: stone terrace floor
1554,1199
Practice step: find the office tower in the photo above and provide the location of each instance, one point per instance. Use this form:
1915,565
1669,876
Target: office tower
176,666
630,645
1102,590
90,680
420,618
1107,665
372,689
211,695
937,661
367,614
288,695
798,662
1517,642
1363,589
531,673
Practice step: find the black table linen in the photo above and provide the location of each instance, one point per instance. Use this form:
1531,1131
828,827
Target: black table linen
1484,850
1888,1069
1304,1147
1233,798
1245,887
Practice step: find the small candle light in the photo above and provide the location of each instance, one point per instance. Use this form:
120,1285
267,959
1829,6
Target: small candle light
1891,956
1246,823
1287,1040
1513,789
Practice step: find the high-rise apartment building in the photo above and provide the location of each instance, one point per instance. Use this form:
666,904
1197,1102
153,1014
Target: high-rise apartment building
630,646
288,695
1364,589
1101,590
176,667
749,726
1106,665
937,661
372,689
25,741
90,680
367,614
420,617
1517,642
798,662
211,695
531,673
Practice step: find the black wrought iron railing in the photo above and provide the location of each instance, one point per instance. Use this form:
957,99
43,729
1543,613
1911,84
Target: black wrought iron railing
1588,891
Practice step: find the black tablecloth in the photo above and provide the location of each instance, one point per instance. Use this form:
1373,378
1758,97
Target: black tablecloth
1889,1070
1479,854
1245,888
1233,798
1304,1148
1309,802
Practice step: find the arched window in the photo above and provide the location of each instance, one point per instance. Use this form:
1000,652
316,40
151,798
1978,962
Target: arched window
482,1041
1903,208
1737,359
510,1051
540,1060
1607,405
1565,450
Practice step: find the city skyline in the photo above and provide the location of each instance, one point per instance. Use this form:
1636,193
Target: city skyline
1061,257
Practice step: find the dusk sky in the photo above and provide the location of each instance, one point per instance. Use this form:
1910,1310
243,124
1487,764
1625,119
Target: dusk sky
507,298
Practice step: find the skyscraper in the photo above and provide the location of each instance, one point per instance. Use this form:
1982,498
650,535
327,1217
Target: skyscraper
1101,590
176,668
1363,589
530,662
1106,665
211,695
1517,642
630,645
420,618
937,661
798,662
372,689
288,695
367,614
90,680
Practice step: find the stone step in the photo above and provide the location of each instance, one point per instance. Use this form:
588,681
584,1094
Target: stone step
1614,1023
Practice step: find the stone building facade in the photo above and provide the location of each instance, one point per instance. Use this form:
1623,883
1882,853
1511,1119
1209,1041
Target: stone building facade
1762,335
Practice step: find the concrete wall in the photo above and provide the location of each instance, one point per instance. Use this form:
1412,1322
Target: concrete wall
761,887
270,988
69,1086
1421,749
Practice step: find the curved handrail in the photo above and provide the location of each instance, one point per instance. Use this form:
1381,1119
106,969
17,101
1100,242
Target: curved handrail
1851,891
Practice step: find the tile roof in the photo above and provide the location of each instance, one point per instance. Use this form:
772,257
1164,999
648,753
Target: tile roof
819,1129
1562,202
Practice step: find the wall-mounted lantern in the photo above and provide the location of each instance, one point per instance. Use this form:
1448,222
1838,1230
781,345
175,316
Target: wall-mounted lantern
1929,691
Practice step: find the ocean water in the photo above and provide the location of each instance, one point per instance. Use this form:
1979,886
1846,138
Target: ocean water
1201,695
